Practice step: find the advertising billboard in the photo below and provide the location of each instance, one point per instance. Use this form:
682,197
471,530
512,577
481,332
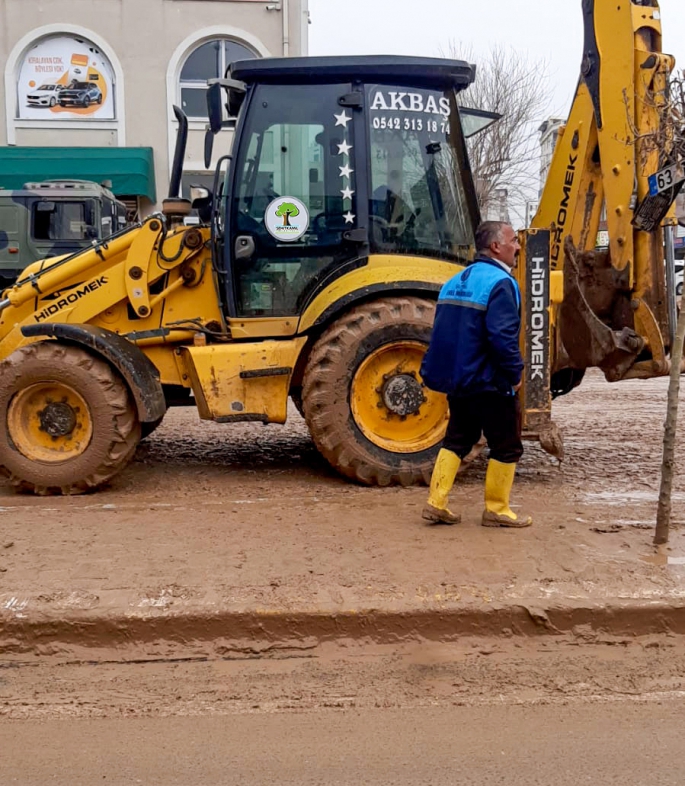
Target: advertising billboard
65,77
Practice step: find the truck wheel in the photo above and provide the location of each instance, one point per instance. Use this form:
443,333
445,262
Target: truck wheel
67,422
367,408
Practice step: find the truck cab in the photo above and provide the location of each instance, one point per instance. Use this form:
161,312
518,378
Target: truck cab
53,218
338,161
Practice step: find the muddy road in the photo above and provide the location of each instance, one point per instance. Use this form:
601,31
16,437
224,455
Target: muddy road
457,746
215,519
251,517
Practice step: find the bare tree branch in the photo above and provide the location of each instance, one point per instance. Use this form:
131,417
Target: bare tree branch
506,155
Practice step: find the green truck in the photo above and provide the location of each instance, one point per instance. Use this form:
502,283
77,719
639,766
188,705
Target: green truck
53,218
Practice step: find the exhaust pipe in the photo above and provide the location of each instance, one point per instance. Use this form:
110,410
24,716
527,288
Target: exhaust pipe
174,207
179,153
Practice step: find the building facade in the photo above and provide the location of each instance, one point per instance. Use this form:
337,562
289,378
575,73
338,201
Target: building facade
89,85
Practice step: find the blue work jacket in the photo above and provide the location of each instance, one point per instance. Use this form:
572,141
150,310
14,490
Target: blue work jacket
475,343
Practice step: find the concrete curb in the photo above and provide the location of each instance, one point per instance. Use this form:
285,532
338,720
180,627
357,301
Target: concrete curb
261,632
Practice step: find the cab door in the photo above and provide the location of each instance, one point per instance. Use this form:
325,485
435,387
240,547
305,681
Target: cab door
295,210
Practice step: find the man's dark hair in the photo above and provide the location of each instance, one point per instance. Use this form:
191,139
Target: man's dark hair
487,233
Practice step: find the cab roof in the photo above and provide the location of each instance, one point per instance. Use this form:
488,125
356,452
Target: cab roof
380,69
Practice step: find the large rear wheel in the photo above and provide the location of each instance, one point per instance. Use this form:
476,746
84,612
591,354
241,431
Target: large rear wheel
67,422
365,403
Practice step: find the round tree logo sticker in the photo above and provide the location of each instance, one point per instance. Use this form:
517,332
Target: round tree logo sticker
286,219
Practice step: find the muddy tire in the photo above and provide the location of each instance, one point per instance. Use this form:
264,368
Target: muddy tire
366,407
67,421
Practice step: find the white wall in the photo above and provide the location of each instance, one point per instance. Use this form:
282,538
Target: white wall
147,42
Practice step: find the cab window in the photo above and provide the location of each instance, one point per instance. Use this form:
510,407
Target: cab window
294,196
63,220
418,201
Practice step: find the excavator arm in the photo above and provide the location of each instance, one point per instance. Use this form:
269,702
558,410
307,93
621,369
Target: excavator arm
611,311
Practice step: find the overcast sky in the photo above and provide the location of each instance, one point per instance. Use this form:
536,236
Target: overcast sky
549,30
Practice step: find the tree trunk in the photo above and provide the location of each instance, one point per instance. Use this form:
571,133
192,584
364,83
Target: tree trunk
663,513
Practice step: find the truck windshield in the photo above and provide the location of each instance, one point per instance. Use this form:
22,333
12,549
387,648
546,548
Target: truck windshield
419,201
64,220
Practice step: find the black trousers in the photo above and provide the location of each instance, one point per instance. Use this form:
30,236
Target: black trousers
496,416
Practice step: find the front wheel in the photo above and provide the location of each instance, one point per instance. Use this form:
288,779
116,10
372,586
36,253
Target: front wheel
67,422
366,406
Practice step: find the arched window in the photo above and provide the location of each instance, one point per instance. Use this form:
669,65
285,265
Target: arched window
209,61
65,77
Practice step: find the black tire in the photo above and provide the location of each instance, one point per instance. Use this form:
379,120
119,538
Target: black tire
328,383
110,414
53,102
100,98
147,428
86,102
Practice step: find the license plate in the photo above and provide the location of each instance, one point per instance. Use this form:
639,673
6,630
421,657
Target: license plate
665,179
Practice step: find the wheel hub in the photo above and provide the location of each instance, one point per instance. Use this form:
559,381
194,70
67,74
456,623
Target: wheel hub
49,421
58,419
389,403
402,394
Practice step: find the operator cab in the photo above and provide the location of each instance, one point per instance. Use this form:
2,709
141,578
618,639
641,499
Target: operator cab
335,160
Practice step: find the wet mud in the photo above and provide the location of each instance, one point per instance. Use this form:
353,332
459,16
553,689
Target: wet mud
244,534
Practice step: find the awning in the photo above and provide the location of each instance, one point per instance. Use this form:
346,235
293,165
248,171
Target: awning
130,169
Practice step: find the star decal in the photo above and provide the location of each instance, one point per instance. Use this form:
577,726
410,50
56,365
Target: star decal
342,119
349,217
344,149
347,193
345,171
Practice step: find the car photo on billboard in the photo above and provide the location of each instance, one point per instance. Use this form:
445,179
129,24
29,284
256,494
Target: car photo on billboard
80,94
45,95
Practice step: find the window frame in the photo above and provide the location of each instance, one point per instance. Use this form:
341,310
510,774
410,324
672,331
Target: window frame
61,203
199,84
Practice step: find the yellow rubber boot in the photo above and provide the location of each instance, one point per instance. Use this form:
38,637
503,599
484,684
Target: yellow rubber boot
444,473
498,482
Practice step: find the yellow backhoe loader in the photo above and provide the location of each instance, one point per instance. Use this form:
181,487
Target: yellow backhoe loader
314,272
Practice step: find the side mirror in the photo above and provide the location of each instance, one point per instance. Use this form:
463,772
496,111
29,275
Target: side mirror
209,147
235,101
201,199
199,194
214,108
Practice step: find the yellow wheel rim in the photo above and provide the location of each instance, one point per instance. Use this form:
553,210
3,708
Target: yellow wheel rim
390,404
49,422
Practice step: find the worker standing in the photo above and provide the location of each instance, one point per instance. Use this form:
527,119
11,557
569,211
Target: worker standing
474,358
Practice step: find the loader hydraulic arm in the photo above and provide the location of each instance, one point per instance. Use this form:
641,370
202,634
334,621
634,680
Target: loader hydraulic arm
614,312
